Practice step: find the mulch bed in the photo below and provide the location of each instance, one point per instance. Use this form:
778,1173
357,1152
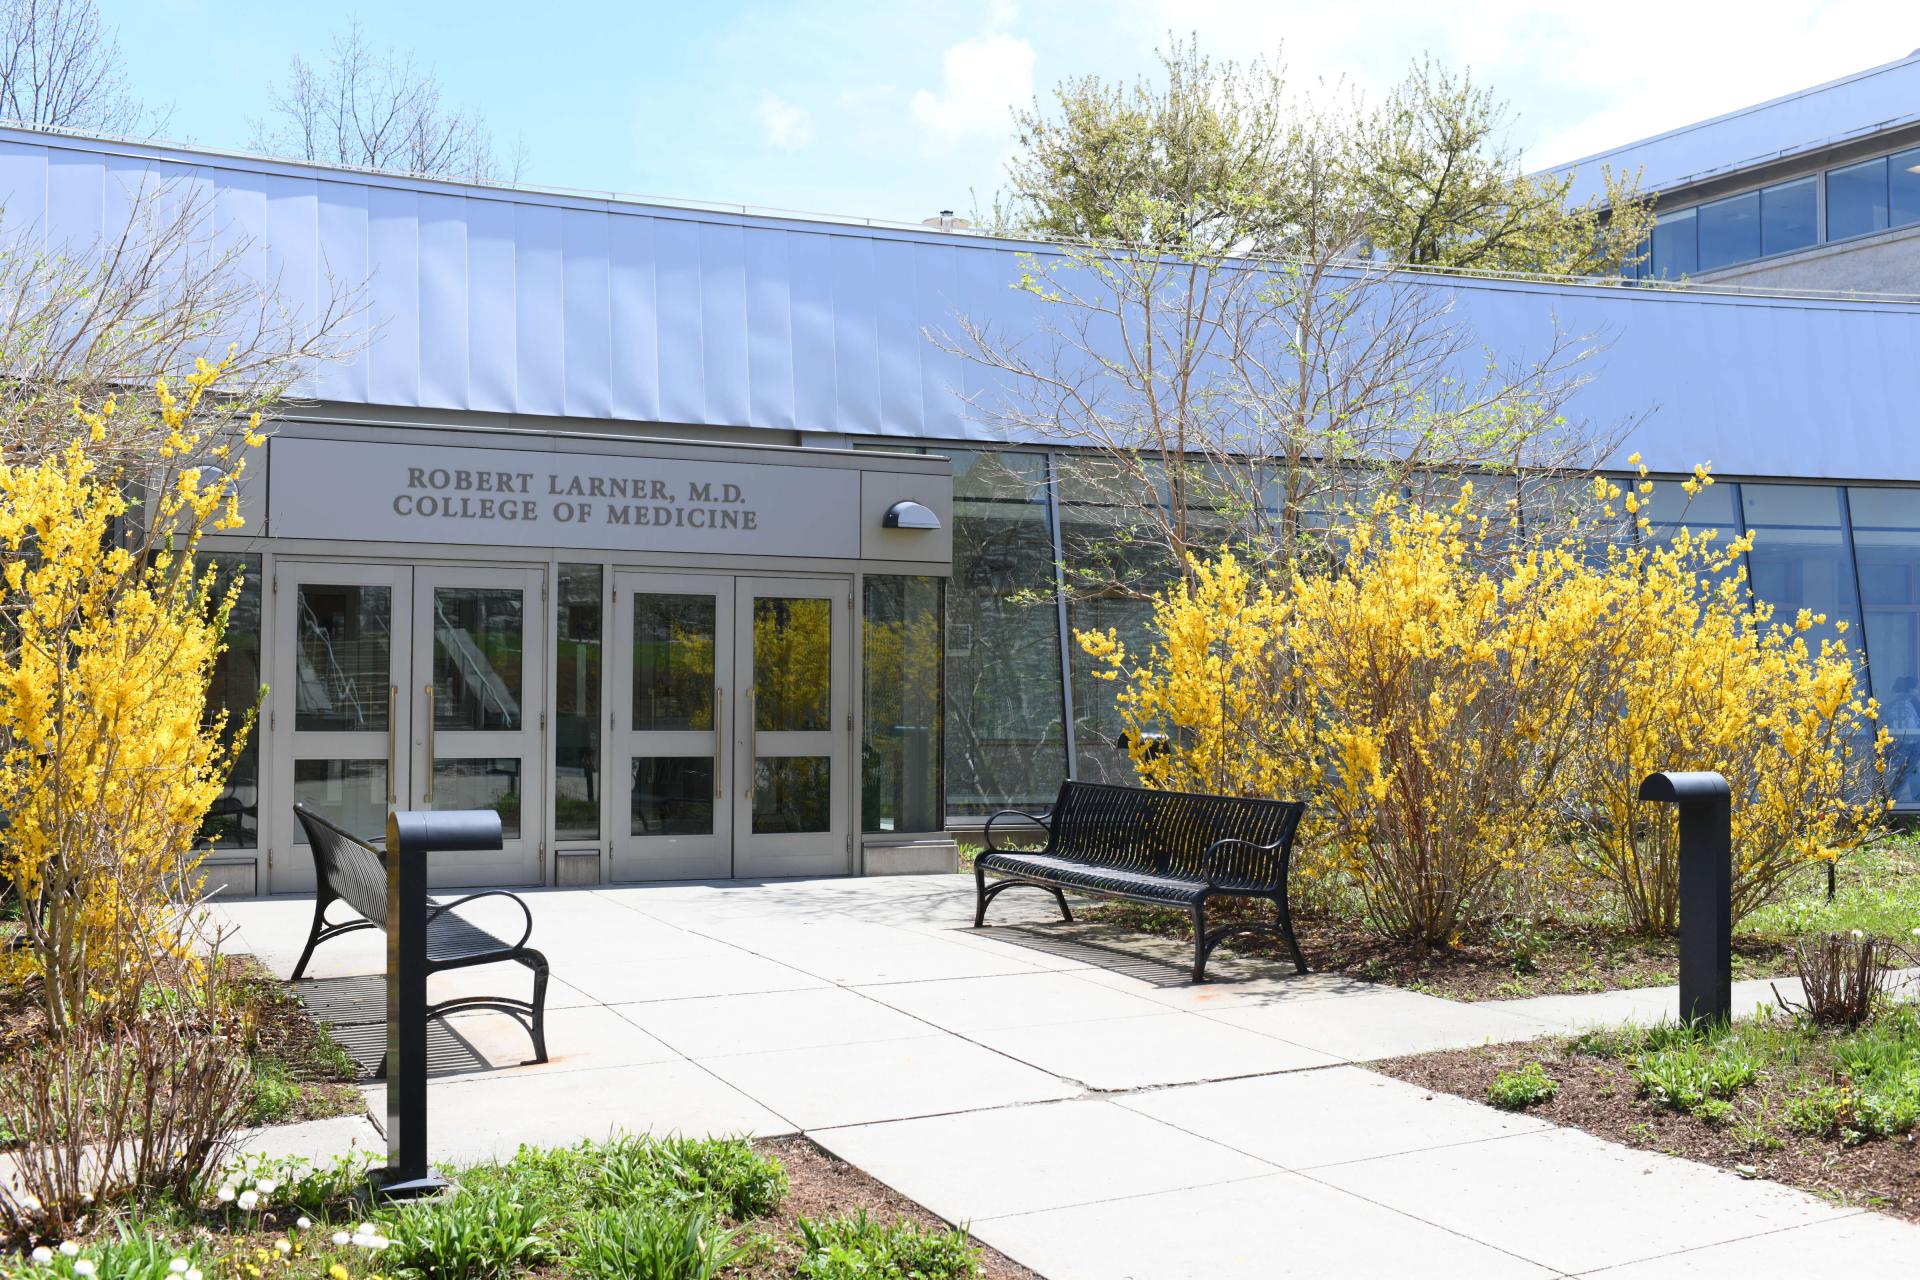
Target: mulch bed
818,1186
1552,959
1598,1095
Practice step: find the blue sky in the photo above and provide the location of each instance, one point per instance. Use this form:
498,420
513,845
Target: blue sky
895,110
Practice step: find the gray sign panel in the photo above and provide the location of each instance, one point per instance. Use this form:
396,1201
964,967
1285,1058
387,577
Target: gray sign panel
509,497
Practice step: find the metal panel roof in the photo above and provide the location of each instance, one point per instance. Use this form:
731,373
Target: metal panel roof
1866,102
507,301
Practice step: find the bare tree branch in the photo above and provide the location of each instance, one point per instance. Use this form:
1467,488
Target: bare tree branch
60,69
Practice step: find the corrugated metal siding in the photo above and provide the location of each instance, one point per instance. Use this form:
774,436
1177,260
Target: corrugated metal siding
1869,101
509,302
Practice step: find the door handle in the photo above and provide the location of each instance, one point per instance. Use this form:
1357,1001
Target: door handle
753,746
719,739
429,792
393,702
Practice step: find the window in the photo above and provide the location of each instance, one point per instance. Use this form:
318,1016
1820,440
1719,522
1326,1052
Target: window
1903,178
904,661
1789,216
576,705
1800,556
1729,231
1676,251
1886,539
1006,724
1857,199
233,820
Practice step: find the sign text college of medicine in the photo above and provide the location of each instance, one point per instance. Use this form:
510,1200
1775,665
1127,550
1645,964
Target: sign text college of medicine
511,497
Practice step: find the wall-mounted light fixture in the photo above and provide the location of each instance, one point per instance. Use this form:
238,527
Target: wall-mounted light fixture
910,515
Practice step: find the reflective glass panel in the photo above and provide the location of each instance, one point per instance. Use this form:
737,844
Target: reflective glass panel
1857,199
345,658
1676,248
1886,540
478,633
351,794
233,820
1800,558
904,670
1789,216
1903,183
792,794
1729,231
672,796
480,784
792,664
576,705
672,662
1006,731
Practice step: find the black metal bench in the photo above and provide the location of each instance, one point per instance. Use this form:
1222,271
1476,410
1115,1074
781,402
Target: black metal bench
1168,848
348,869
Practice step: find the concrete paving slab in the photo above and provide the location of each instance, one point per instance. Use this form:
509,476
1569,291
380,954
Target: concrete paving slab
854,953
885,1080
1573,1202
1164,1049
488,1117
1385,1024
580,1039
985,1164
318,1141
763,1023
1175,990
969,1005
1861,1244
1278,1227
1312,1118
727,972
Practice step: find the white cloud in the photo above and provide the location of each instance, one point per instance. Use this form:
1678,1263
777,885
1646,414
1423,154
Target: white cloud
788,125
983,79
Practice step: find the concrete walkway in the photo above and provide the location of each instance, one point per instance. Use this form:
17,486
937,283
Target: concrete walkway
1067,1093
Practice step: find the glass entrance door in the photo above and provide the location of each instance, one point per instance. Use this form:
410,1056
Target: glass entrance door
792,734
477,667
671,716
338,720
396,687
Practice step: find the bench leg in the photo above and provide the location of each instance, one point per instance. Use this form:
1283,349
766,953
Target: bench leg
1285,920
986,893
1201,946
313,935
539,1027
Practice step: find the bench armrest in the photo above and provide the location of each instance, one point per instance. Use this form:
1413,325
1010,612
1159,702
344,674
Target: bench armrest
1042,820
1268,858
440,908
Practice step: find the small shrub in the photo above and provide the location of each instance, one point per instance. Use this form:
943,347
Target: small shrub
1842,976
1527,1087
471,1235
1687,1075
652,1242
856,1247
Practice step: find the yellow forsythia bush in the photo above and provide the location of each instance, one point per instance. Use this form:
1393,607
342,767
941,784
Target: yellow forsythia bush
1457,710
1712,681
109,761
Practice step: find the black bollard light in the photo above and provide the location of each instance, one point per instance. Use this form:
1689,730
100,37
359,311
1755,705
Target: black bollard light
1706,889
411,836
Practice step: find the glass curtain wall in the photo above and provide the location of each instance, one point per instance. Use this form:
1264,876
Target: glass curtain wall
1800,558
903,661
233,821
1886,541
576,738
1006,742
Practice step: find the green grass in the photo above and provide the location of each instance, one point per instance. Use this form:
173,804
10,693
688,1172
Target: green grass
1527,1086
1774,1074
1878,892
857,1247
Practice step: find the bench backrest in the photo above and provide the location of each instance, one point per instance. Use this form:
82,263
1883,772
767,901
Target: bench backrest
351,868
1164,832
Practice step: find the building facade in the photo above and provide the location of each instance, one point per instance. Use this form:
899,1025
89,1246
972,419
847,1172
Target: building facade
683,538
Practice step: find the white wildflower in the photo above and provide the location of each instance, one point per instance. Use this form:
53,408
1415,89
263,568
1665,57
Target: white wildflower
225,1195
248,1199
283,1246
265,1186
83,1267
68,1249
303,1222
178,1266
339,1237
366,1229
43,1255
193,1273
